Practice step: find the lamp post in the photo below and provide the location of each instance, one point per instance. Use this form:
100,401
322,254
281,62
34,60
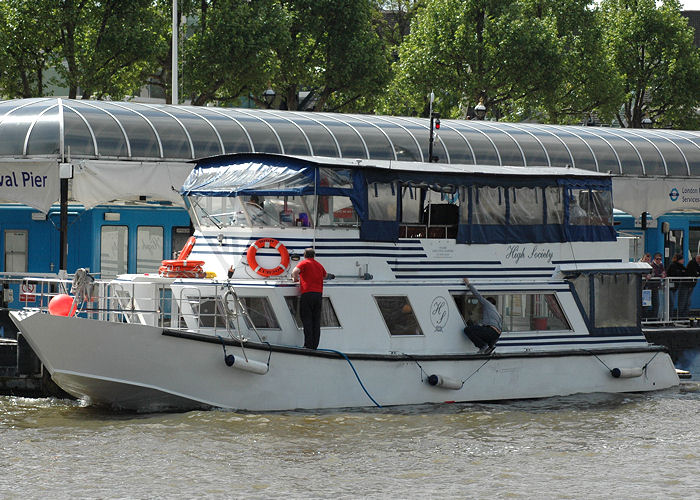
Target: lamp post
646,121
434,125
480,109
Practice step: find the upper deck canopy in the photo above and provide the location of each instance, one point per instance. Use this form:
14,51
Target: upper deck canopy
103,130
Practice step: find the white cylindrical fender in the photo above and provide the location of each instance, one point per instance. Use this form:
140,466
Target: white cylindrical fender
626,372
444,382
248,365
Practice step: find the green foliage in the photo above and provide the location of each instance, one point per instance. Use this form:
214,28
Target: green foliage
333,51
229,49
28,37
107,46
658,68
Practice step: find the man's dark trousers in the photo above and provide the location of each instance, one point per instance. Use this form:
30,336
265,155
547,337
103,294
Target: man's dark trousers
310,311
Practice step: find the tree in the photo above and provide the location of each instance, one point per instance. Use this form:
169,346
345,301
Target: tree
586,83
108,47
229,48
332,51
654,59
467,50
24,59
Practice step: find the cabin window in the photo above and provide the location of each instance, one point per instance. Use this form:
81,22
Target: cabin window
218,211
382,201
526,206
554,196
114,250
328,316
470,308
149,248
260,312
398,315
616,299
335,178
583,291
272,211
600,208
521,312
336,211
489,206
16,251
537,311
590,207
411,204
209,312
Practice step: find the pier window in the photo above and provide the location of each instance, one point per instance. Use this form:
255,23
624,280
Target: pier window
398,315
16,251
328,317
114,250
149,248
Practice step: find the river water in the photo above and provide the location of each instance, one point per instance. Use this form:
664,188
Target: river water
594,446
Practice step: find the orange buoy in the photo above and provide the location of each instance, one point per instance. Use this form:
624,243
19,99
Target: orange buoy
268,243
62,305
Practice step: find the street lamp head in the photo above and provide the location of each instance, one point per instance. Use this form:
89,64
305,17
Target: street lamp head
269,95
646,122
480,109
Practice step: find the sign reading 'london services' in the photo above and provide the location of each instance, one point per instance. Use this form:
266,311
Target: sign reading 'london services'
32,183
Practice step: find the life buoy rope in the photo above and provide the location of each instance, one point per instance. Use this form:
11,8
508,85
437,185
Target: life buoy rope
268,243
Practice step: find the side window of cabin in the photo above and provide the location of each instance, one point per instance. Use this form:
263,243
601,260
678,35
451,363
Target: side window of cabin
260,312
533,311
328,317
526,206
616,300
441,212
469,307
600,207
520,312
398,315
336,211
555,204
278,211
381,199
590,207
488,205
429,213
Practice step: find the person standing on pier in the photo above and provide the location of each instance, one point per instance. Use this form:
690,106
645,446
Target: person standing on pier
484,335
310,274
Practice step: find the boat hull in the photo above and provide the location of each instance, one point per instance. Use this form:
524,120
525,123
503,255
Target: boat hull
144,368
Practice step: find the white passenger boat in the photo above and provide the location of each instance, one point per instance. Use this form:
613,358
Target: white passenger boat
220,326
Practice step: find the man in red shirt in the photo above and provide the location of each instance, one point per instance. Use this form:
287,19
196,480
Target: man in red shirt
310,274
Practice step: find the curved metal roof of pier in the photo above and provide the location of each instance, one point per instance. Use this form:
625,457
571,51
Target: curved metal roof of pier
44,127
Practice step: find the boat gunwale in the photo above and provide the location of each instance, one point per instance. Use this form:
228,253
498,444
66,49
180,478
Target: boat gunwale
332,353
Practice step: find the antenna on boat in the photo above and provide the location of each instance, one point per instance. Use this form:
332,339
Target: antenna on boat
434,126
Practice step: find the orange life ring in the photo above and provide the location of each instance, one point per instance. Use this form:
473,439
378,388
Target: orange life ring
185,252
268,243
182,269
